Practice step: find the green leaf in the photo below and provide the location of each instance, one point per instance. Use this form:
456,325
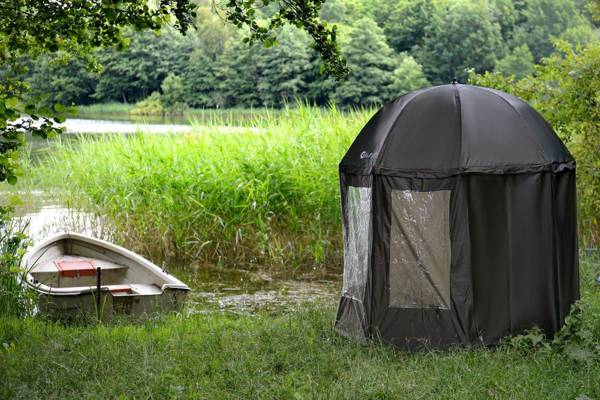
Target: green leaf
11,102
59,108
30,109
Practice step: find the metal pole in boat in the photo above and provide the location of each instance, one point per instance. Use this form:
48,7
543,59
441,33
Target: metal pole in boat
98,284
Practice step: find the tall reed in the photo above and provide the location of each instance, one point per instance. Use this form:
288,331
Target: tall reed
267,196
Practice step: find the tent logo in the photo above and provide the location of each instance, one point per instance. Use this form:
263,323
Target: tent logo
365,154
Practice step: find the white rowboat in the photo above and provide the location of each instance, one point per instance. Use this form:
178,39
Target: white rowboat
67,269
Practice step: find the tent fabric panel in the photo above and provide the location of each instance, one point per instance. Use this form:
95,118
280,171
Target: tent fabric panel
531,252
540,130
426,134
454,129
487,141
420,250
366,148
566,268
516,277
357,241
413,328
351,319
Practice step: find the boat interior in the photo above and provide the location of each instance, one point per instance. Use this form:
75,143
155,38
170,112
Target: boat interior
70,264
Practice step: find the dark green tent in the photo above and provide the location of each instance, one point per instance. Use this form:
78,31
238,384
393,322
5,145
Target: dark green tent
459,215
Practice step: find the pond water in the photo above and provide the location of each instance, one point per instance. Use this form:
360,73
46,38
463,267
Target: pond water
213,288
87,126
102,126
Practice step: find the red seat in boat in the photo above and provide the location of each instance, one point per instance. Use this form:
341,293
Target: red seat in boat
75,268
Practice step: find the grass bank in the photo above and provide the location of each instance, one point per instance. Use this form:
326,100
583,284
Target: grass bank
291,356
268,197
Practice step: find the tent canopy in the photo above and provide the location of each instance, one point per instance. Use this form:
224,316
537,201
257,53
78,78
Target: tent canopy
450,129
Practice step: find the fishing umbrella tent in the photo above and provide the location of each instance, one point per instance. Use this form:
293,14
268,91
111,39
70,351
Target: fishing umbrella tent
459,221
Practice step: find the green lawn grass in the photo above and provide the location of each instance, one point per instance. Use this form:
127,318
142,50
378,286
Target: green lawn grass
293,355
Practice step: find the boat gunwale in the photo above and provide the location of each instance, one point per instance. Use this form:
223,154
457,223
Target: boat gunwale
175,283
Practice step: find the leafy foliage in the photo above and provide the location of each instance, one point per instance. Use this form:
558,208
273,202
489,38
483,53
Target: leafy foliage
545,20
172,93
519,62
300,13
460,35
408,76
405,22
132,75
283,69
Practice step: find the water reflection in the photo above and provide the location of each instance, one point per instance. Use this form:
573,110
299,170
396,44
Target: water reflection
88,126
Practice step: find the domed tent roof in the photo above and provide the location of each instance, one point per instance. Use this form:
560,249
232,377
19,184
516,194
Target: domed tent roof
452,129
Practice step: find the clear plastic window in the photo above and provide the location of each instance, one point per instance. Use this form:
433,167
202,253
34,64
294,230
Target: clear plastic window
357,240
420,250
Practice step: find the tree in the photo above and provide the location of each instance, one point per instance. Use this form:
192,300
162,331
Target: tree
461,35
544,20
132,75
236,73
200,80
283,70
345,11
405,23
172,94
505,13
371,62
519,62
300,13
408,76
61,79
211,30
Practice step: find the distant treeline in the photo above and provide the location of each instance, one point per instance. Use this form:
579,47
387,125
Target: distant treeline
392,46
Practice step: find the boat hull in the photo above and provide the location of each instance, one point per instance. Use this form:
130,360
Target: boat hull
83,305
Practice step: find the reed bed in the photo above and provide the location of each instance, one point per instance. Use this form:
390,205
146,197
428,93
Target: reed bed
267,196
